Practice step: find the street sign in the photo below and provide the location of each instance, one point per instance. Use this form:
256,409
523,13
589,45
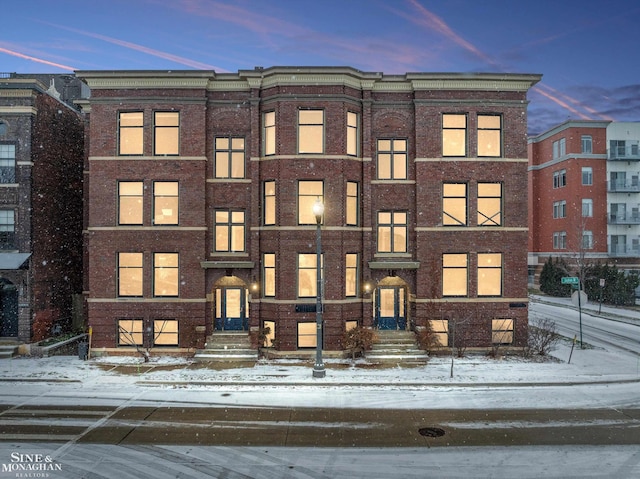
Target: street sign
570,280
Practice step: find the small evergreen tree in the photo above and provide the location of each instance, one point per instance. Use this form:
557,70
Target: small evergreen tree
551,278
619,288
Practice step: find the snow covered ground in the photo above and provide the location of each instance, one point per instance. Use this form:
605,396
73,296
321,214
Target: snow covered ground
565,367
594,378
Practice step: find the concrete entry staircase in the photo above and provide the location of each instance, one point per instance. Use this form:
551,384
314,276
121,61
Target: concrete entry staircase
8,348
227,346
396,347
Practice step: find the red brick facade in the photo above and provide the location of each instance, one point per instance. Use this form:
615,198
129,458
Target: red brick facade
408,107
41,136
544,193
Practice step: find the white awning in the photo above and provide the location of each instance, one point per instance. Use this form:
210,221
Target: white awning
13,260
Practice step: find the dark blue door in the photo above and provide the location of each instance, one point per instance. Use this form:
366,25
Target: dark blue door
8,310
390,307
231,308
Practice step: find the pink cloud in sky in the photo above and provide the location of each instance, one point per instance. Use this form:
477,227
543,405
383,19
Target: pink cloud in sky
141,48
372,51
34,59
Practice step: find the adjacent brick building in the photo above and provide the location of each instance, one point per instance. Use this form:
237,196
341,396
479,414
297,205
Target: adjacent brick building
585,194
41,159
200,186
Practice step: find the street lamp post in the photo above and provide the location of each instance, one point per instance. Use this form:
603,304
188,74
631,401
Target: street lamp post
318,368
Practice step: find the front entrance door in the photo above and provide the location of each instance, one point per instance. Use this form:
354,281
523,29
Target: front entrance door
231,308
8,310
391,307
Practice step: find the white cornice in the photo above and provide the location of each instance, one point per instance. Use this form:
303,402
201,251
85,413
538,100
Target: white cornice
17,93
18,110
147,158
300,76
457,159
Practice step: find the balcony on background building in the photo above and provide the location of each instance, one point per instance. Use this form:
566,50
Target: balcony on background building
624,186
624,219
629,247
624,150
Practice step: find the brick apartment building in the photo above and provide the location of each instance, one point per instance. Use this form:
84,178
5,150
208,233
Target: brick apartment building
41,159
585,194
199,194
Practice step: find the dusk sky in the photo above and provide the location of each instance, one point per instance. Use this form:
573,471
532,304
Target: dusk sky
586,50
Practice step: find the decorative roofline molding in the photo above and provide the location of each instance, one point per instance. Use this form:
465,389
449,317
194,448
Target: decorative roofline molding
287,76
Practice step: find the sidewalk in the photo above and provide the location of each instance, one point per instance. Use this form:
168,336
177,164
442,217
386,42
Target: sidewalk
625,314
587,366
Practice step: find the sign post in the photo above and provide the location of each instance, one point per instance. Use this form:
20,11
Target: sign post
602,282
575,281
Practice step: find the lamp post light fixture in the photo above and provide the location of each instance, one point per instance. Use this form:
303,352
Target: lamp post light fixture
318,368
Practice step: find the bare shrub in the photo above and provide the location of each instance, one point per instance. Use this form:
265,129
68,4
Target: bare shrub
427,338
358,340
543,337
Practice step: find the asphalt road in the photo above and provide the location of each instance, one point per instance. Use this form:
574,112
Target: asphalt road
318,427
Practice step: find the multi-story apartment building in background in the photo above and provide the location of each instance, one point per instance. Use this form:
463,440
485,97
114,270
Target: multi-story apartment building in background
585,194
199,193
41,160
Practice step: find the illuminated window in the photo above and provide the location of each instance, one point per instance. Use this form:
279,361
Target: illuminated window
7,230
489,135
229,157
7,163
392,232
165,274
351,274
587,207
131,133
352,210
308,194
229,231
130,332
454,274
454,135
454,204
489,274
307,335
587,144
353,136
269,203
130,274
310,131
502,331
271,335
587,239
489,204
392,159
165,332
587,175
165,203
269,274
269,133
130,210
440,330
307,274
166,133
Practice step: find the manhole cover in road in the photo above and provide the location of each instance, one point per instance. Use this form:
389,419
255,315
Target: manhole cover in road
431,431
